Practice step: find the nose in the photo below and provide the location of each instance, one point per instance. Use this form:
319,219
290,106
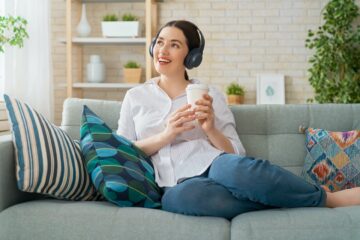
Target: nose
163,50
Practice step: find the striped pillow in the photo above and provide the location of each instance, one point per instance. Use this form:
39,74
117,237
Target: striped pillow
47,160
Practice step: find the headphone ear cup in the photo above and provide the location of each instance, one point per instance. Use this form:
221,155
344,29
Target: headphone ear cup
193,59
151,47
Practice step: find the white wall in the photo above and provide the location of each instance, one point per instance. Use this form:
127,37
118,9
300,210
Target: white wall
243,38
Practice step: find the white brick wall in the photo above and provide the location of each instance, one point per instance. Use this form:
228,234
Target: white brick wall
243,38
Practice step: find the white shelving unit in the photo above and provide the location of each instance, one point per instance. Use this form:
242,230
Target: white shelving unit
71,41
104,41
105,85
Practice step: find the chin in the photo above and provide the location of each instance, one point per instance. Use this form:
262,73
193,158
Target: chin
161,70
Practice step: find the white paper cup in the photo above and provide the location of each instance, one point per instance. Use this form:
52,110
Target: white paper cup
195,92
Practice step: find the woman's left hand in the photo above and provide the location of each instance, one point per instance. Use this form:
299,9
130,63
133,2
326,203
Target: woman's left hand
204,113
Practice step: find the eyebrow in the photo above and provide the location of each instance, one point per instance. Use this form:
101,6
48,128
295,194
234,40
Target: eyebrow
172,40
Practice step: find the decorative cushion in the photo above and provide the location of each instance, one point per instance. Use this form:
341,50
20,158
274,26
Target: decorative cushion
120,171
333,158
47,160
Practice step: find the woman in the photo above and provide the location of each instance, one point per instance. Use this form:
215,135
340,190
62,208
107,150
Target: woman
202,166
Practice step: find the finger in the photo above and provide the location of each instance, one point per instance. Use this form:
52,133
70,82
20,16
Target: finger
186,127
204,102
202,109
202,116
179,115
183,108
183,120
208,97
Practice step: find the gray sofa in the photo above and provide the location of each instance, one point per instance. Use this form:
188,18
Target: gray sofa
269,132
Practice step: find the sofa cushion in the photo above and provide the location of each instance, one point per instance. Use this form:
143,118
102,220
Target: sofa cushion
298,223
58,220
47,160
333,158
70,121
121,172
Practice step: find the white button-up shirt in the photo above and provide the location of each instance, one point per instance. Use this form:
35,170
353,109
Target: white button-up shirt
144,113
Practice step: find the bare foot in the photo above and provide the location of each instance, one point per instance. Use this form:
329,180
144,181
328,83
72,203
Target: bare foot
347,197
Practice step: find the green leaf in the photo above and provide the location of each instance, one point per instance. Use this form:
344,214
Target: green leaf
12,31
335,66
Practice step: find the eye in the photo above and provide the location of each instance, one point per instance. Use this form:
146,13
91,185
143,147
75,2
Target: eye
159,42
175,45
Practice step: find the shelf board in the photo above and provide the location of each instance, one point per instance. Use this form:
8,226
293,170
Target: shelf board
107,1
102,41
115,1
105,85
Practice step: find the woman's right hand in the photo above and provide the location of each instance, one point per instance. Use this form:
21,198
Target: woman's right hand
176,123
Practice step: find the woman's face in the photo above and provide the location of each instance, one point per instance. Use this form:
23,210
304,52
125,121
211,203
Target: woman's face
170,51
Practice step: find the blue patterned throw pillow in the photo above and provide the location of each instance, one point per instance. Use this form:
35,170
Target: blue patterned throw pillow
120,171
48,161
333,158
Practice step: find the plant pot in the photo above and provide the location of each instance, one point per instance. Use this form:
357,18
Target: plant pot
235,99
120,29
132,75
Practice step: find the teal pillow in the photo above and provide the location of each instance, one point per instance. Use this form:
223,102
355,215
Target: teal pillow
333,158
120,171
48,161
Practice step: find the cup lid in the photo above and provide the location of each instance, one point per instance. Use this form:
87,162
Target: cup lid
197,86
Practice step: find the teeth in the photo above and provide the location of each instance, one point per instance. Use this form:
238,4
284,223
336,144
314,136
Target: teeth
164,60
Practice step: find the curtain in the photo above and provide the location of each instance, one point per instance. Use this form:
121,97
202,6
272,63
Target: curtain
28,70
2,61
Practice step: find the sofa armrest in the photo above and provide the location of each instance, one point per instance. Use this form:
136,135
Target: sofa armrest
9,193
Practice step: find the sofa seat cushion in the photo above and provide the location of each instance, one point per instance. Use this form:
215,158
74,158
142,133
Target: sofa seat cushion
58,220
298,223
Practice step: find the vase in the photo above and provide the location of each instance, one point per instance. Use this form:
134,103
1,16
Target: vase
132,75
95,70
235,99
83,28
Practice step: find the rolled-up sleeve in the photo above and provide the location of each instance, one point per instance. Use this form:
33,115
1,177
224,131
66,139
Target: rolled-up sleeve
126,126
225,122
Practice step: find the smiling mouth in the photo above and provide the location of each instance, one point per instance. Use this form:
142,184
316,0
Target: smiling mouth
163,61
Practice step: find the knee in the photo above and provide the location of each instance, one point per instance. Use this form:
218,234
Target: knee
201,198
228,165
180,199
234,169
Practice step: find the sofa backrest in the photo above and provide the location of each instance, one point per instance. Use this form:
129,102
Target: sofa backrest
109,111
272,131
267,131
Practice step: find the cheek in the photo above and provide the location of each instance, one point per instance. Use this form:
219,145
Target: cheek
181,56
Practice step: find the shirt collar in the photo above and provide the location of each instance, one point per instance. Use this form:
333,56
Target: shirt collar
156,80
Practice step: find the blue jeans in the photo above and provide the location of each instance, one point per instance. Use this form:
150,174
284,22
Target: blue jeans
235,184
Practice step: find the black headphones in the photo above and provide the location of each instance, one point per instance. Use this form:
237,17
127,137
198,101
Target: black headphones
194,57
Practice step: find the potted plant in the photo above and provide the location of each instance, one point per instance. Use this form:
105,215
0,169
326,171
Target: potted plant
335,65
235,93
132,72
12,31
129,26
